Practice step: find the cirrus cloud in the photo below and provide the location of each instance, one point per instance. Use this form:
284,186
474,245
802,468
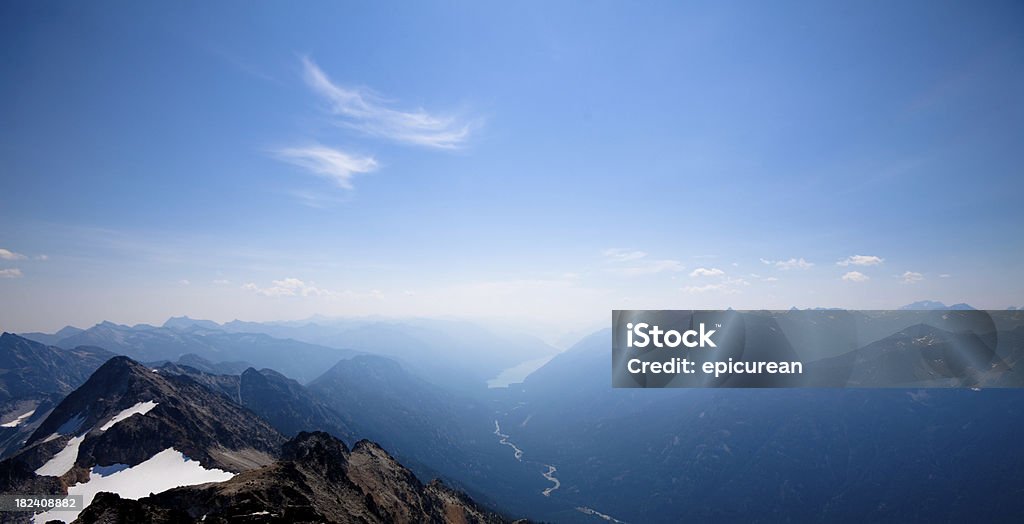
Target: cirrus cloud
333,164
369,114
786,265
631,262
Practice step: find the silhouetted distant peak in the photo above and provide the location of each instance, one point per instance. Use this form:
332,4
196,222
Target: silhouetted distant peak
106,324
961,307
923,305
68,331
184,322
366,363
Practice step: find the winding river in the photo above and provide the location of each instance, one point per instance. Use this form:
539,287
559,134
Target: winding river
506,442
549,475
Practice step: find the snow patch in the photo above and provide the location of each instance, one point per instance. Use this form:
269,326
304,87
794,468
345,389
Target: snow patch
62,462
166,470
18,420
138,409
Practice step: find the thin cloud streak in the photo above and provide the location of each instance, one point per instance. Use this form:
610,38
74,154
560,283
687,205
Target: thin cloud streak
631,262
786,265
622,255
333,164
367,113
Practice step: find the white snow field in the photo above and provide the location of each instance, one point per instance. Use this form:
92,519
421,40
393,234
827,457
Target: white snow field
138,409
63,460
168,469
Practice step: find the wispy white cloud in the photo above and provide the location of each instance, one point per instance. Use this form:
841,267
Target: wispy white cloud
707,272
623,255
635,263
333,164
184,282
650,267
42,257
726,286
710,288
221,282
316,199
910,277
288,287
945,275
785,265
861,260
10,273
855,276
11,255
693,290
735,281
369,114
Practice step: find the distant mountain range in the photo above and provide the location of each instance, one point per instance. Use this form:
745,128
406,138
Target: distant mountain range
51,339
455,354
144,343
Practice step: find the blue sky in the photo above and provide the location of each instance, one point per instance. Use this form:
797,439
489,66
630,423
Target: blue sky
263,160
